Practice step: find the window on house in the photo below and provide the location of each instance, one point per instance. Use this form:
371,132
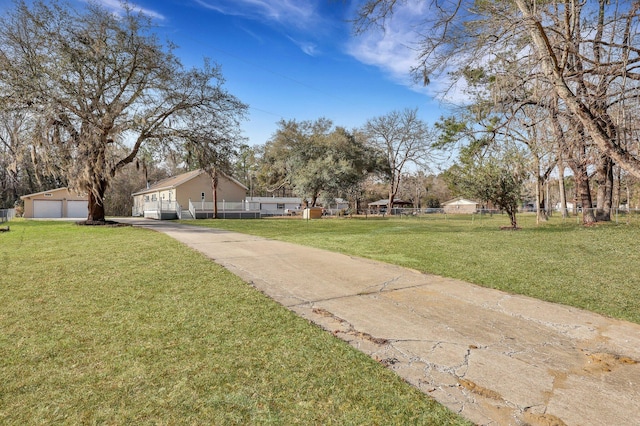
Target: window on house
146,198
154,197
280,206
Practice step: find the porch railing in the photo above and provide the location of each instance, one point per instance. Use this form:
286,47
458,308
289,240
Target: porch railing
161,206
206,207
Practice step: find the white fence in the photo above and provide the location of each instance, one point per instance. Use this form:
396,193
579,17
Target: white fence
226,209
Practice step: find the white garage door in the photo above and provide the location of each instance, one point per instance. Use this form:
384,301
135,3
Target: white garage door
47,209
77,209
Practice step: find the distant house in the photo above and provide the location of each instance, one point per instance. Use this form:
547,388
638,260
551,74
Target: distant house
188,196
55,204
275,206
461,206
380,206
570,206
292,206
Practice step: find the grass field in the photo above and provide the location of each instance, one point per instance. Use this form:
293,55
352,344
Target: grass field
595,268
126,326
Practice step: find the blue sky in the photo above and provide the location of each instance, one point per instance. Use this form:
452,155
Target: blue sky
296,59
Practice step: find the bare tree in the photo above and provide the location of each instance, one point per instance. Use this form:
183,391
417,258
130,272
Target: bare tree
14,162
565,66
585,52
103,87
22,167
583,84
402,139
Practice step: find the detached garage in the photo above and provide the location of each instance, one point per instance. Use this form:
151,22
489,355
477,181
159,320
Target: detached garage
55,204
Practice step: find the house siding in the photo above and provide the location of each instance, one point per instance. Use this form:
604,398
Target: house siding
181,192
461,206
229,191
193,189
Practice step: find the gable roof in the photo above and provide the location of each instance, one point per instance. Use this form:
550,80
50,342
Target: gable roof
175,181
25,197
386,201
461,202
277,200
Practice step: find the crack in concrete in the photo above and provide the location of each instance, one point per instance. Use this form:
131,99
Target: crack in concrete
463,392
563,329
460,390
350,329
380,287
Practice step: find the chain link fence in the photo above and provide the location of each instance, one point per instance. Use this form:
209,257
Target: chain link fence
620,215
7,214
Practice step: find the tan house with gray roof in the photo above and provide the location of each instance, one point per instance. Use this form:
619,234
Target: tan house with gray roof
461,206
188,196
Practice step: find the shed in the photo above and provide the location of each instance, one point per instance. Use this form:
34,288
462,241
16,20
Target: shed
461,206
56,203
381,205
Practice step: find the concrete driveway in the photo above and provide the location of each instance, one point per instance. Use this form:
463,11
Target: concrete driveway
493,357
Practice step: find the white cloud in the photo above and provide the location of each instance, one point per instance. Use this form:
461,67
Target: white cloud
391,49
294,13
289,16
388,51
116,6
308,48
302,19
394,50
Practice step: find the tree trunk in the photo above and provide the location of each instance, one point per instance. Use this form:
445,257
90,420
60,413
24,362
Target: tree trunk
583,191
617,188
393,190
96,202
214,190
561,189
600,129
604,199
512,217
547,198
541,212
538,200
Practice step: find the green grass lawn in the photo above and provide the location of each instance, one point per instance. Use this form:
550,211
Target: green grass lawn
126,326
595,268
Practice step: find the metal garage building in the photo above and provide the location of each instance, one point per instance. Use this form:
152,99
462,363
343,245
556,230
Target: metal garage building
55,204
